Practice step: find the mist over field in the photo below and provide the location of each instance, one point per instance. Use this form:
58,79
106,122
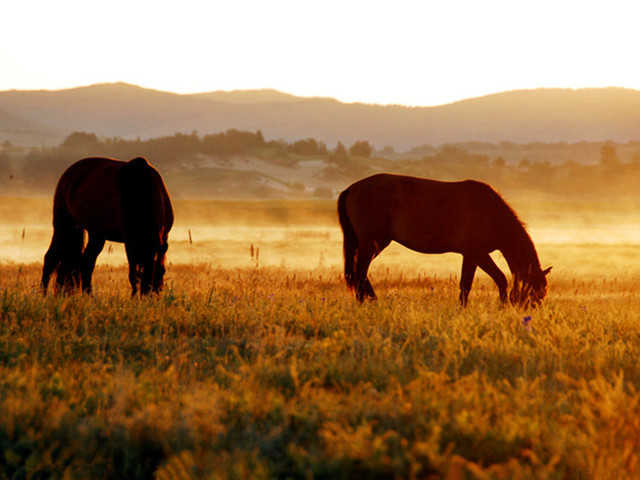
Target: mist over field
595,238
237,189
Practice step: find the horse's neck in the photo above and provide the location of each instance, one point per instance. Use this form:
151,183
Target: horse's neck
520,253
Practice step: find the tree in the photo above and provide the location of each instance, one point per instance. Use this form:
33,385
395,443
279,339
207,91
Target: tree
339,155
608,156
309,146
340,150
524,164
232,142
361,148
387,151
81,141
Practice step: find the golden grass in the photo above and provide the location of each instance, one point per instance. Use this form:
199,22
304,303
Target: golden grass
273,371
264,366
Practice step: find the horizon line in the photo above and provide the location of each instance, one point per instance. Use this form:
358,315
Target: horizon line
294,96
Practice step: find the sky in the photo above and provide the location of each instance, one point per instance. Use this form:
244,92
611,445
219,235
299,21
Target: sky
386,52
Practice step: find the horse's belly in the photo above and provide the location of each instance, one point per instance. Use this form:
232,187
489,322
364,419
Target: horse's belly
115,237
427,239
105,225
428,245
97,215
109,234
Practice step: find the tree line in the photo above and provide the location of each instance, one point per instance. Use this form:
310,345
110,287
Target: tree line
41,166
609,174
224,144
555,168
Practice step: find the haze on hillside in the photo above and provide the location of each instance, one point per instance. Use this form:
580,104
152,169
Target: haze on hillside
33,118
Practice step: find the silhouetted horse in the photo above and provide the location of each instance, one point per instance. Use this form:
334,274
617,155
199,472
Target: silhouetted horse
116,201
428,216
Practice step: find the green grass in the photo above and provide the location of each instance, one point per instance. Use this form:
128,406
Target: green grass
273,372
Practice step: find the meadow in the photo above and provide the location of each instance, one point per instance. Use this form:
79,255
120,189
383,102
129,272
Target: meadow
256,362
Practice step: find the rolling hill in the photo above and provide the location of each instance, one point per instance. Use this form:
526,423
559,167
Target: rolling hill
128,111
20,130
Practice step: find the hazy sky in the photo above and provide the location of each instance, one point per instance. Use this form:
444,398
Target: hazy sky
405,52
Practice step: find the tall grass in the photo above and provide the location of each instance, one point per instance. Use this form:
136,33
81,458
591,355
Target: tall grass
273,372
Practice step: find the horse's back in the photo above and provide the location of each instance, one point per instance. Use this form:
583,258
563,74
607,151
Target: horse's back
85,170
87,192
426,215
110,196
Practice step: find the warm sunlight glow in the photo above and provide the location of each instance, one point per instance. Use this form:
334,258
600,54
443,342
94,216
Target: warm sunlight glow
414,53
276,158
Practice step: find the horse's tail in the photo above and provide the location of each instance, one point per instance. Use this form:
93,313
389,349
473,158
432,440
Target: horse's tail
67,244
350,245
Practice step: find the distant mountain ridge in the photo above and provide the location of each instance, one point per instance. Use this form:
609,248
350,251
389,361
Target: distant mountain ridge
129,111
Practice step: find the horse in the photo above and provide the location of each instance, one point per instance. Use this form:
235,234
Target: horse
430,216
113,200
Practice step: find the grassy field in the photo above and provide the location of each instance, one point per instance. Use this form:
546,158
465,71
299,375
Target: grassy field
263,366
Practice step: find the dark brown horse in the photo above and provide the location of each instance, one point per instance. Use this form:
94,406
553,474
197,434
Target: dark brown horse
428,216
110,200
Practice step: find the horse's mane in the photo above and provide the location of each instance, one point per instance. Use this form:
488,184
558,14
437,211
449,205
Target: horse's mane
515,230
510,213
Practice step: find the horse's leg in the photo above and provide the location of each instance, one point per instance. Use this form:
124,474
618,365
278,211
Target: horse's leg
134,276
362,283
466,278
70,245
52,259
486,263
159,266
366,253
367,290
94,247
59,255
147,274
134,273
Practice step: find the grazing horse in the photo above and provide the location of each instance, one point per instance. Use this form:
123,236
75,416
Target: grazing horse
110,200
429,216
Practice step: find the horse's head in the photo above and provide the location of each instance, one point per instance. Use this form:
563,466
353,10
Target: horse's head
159,268
152,269
530,290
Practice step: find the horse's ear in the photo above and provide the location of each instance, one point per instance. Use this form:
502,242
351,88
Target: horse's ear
546,272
